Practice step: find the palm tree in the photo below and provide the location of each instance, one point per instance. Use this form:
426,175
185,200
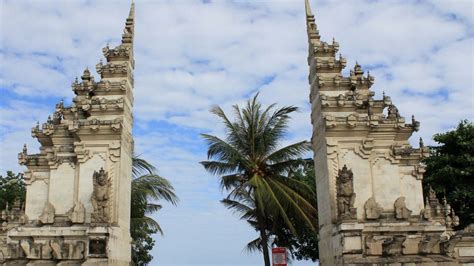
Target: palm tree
254,170
147,188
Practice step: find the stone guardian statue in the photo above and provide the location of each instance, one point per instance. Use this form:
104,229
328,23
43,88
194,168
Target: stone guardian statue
100,197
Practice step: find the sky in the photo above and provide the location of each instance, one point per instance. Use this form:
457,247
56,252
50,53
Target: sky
192,55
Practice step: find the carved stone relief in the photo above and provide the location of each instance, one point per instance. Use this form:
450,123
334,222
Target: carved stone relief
77,214
430,244
52,249
30,249
47,217
372,209
98,247
401,210
46,251
100,197
410,246
76,250
442,213
447,246
15,251
373,246
393,246
345,194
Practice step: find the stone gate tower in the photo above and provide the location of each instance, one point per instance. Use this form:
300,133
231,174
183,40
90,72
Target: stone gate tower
370,200
77,208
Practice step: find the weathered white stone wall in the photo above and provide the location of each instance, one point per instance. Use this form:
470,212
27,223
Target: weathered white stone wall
386,182
61,188
37,196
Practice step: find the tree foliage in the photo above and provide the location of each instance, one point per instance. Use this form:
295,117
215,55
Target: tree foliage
450,170
12,187
254,168
304,244
147,188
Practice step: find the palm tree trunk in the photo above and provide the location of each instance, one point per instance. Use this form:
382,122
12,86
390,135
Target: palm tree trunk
264,245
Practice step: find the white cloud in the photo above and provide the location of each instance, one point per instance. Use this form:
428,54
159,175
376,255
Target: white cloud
192,55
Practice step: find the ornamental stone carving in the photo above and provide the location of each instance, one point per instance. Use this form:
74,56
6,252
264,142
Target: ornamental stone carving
46,251
59,249
393,112
14,251
372,209
100,197
47,217
98,247
373,245
31,249
430,244
447,246
401,210
410,245
436,211
56,249
393,246
15,215
345,194
77,214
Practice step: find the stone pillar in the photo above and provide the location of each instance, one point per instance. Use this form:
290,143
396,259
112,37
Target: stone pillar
368,176
78,187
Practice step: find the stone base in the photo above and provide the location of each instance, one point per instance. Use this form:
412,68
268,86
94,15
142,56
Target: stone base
401,260
400,243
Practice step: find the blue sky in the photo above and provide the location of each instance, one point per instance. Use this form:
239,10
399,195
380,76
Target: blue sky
191,55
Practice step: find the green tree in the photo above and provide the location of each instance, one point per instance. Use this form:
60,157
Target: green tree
450,170
254,170
12,187
304,244
147,188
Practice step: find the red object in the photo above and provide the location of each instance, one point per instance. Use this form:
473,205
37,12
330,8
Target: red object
279,257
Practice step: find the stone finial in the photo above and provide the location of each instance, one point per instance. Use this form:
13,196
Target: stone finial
25,149
432,199
372,209
86,75
345,194
393,112
401,210
16,205
358,69
128,31
422,144
313,33
307,8
415,124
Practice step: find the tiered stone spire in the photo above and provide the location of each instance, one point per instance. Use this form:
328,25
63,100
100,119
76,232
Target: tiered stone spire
82,175
367,173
